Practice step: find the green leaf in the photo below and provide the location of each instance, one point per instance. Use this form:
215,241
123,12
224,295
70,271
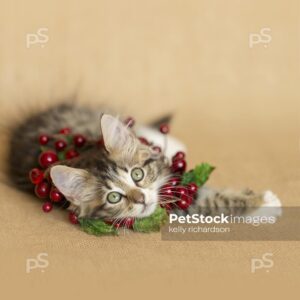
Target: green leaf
188,177
199,175
151,223
69,138
61,155
202,173
44,148
148,224
97,227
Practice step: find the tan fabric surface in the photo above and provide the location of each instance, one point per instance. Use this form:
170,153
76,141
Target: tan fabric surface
236,107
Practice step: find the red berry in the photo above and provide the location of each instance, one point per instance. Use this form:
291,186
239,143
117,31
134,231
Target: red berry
184,203
128,222
178,155
108,221
181,191
55,195
144,141
183,194
36,176
129,122
44,139
178,166
60,145
157,149
174,181
42,189
47,158
79,140
192,188
65,131
47,207
73,218
100,142
164,128
168,206
167,191
113,222
117,225
71,154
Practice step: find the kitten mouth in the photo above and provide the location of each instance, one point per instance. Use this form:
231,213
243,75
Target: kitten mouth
147,210
144,207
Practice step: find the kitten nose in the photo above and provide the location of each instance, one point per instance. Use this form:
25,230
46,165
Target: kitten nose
137,196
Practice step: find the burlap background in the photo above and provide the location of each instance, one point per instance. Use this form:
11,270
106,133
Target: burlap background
235,106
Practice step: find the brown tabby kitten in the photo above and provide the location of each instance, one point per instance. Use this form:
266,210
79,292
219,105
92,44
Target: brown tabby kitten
122,180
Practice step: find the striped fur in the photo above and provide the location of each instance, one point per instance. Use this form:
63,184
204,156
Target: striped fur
87,181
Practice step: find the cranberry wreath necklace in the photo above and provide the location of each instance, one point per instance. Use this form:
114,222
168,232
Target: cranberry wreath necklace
180,190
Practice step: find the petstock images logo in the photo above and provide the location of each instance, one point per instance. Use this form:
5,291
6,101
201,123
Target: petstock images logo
263,224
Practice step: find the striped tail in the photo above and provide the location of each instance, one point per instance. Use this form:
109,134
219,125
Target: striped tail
212,202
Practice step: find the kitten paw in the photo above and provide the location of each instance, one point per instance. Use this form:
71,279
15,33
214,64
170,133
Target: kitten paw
271,206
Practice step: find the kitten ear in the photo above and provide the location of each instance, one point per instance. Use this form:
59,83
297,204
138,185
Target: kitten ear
74,184
145,154
116,136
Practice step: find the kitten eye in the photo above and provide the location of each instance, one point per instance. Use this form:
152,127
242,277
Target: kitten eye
114,197
137,174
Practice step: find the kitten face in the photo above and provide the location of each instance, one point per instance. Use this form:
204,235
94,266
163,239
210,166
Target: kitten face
131,189
123,181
